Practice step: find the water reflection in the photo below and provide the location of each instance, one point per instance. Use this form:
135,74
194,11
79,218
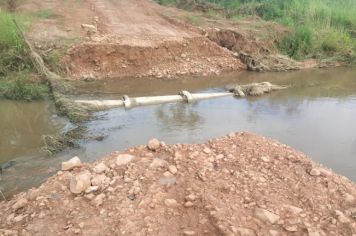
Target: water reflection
178,116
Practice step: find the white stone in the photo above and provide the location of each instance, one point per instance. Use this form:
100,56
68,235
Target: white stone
173,169
189,232
153,144
91,189
188,204
99,180
245,231
207,150
265,158
190,197
98,200
157,162
274,232
72,163
80,182
266,216
341,217
124,159
100,168
293,209
170,202
291,228
315,172
20,203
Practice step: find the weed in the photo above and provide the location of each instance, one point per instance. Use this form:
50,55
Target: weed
321,28
18,87
194,20
45,14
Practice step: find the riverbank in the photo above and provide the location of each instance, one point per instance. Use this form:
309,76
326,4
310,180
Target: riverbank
240,184
101,39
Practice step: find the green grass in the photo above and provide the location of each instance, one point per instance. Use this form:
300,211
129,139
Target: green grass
15,65
45,14
17,86
320,28
194,20
12,48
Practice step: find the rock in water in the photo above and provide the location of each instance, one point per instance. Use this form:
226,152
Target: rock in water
80,182
70,164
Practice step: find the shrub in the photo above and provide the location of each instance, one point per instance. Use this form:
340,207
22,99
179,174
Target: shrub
18,88
194,20
298,43
12,47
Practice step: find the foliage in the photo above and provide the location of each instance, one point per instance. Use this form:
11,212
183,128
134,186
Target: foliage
18,87
12,48
45,14
194,20
320,28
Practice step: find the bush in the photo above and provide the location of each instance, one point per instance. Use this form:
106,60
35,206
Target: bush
12,47
299,43
337,41
194,20
18,88
320,27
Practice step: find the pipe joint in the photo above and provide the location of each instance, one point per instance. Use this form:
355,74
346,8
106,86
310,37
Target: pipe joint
187,96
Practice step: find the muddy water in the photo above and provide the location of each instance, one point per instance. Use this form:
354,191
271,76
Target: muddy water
317,116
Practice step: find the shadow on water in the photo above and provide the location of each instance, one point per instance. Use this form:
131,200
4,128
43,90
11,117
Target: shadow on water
315,116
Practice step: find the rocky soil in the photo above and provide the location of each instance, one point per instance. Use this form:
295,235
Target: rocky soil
240,184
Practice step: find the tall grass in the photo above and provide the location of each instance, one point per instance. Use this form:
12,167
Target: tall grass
12,47
320,28
15,65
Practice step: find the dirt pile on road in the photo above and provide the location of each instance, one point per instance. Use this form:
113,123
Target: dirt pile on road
165,59
133,39
241,184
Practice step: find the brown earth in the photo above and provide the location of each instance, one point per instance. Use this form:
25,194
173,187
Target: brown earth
141,38
132,39
240,184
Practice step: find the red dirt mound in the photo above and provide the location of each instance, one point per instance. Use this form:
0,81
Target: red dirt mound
241,184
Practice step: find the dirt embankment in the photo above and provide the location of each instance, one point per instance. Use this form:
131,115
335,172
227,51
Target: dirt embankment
134,40
141,38
240,184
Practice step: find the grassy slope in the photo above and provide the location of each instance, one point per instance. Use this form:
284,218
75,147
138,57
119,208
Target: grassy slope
321,28
15,66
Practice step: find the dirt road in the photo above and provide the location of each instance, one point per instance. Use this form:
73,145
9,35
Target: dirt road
133,39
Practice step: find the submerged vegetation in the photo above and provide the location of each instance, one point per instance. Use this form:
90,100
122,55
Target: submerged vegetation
319,28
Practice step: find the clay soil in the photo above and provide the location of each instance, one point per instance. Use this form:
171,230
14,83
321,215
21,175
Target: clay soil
132,39
139,38
240,184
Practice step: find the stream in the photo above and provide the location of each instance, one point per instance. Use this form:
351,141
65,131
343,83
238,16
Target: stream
316,116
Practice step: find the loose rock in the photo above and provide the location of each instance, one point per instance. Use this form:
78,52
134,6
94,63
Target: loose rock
266,216
72,163
153,144
173,169
80,182
20,204
100,168
124,159
170,202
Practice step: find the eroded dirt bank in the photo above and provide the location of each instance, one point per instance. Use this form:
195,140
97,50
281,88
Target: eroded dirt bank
133,39
240,184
